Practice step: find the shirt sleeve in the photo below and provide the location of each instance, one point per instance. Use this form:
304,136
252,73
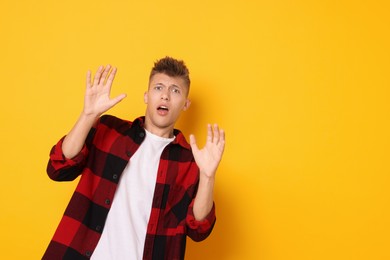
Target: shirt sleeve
60,168
200,230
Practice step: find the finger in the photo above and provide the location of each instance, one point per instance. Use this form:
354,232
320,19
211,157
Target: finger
105,73
117,99
222,139
111,77
88,83
209,133
97,76
193,144
215,134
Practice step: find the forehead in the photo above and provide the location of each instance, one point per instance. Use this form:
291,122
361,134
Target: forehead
164,79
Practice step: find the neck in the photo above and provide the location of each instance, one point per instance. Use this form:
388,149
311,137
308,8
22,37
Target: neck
165,132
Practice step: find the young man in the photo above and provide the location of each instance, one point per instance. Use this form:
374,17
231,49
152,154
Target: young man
143,188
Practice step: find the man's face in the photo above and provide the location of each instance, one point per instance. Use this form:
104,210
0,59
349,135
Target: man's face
165,99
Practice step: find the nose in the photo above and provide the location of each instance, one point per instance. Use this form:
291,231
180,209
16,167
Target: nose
165,95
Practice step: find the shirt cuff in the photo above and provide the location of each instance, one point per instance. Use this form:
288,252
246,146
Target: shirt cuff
57,155
202,226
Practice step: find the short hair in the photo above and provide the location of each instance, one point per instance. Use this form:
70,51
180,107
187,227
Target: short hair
173,68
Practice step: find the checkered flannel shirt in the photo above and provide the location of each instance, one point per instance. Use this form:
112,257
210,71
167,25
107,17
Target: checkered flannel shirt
108,148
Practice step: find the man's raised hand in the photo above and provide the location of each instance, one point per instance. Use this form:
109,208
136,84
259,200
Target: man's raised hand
97,94
210,155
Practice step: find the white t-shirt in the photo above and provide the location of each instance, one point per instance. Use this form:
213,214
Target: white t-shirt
124,232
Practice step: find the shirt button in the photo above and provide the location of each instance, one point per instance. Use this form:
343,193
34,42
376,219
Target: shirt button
88,253
142,134
107,201
115,176
98,228
128,153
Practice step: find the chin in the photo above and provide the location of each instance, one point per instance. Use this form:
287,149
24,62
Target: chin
161,123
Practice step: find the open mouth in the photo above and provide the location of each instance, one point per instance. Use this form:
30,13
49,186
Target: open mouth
162,108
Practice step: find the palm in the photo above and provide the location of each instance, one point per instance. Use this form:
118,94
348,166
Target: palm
210,155
97,95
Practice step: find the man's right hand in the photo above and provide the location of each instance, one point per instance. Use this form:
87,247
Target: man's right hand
97,94
96,101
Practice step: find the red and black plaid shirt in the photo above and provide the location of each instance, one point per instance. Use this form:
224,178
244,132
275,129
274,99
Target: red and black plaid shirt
108,148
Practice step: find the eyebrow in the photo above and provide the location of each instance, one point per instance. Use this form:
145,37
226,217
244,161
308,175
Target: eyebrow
173,85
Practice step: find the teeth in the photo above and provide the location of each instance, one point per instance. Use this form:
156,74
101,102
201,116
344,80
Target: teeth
163,107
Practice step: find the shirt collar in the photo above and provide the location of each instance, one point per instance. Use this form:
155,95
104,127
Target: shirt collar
139,123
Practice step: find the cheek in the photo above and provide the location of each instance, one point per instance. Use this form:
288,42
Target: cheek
151,98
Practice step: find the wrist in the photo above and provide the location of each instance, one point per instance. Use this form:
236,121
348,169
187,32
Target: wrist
207,179
89,116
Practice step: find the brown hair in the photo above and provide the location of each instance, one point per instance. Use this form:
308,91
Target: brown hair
173,68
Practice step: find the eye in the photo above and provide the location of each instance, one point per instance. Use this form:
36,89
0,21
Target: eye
176,90
158,87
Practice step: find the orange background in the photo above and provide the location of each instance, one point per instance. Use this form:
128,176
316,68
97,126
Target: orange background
301,88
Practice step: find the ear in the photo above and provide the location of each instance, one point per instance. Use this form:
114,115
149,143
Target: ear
187,104
146,97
